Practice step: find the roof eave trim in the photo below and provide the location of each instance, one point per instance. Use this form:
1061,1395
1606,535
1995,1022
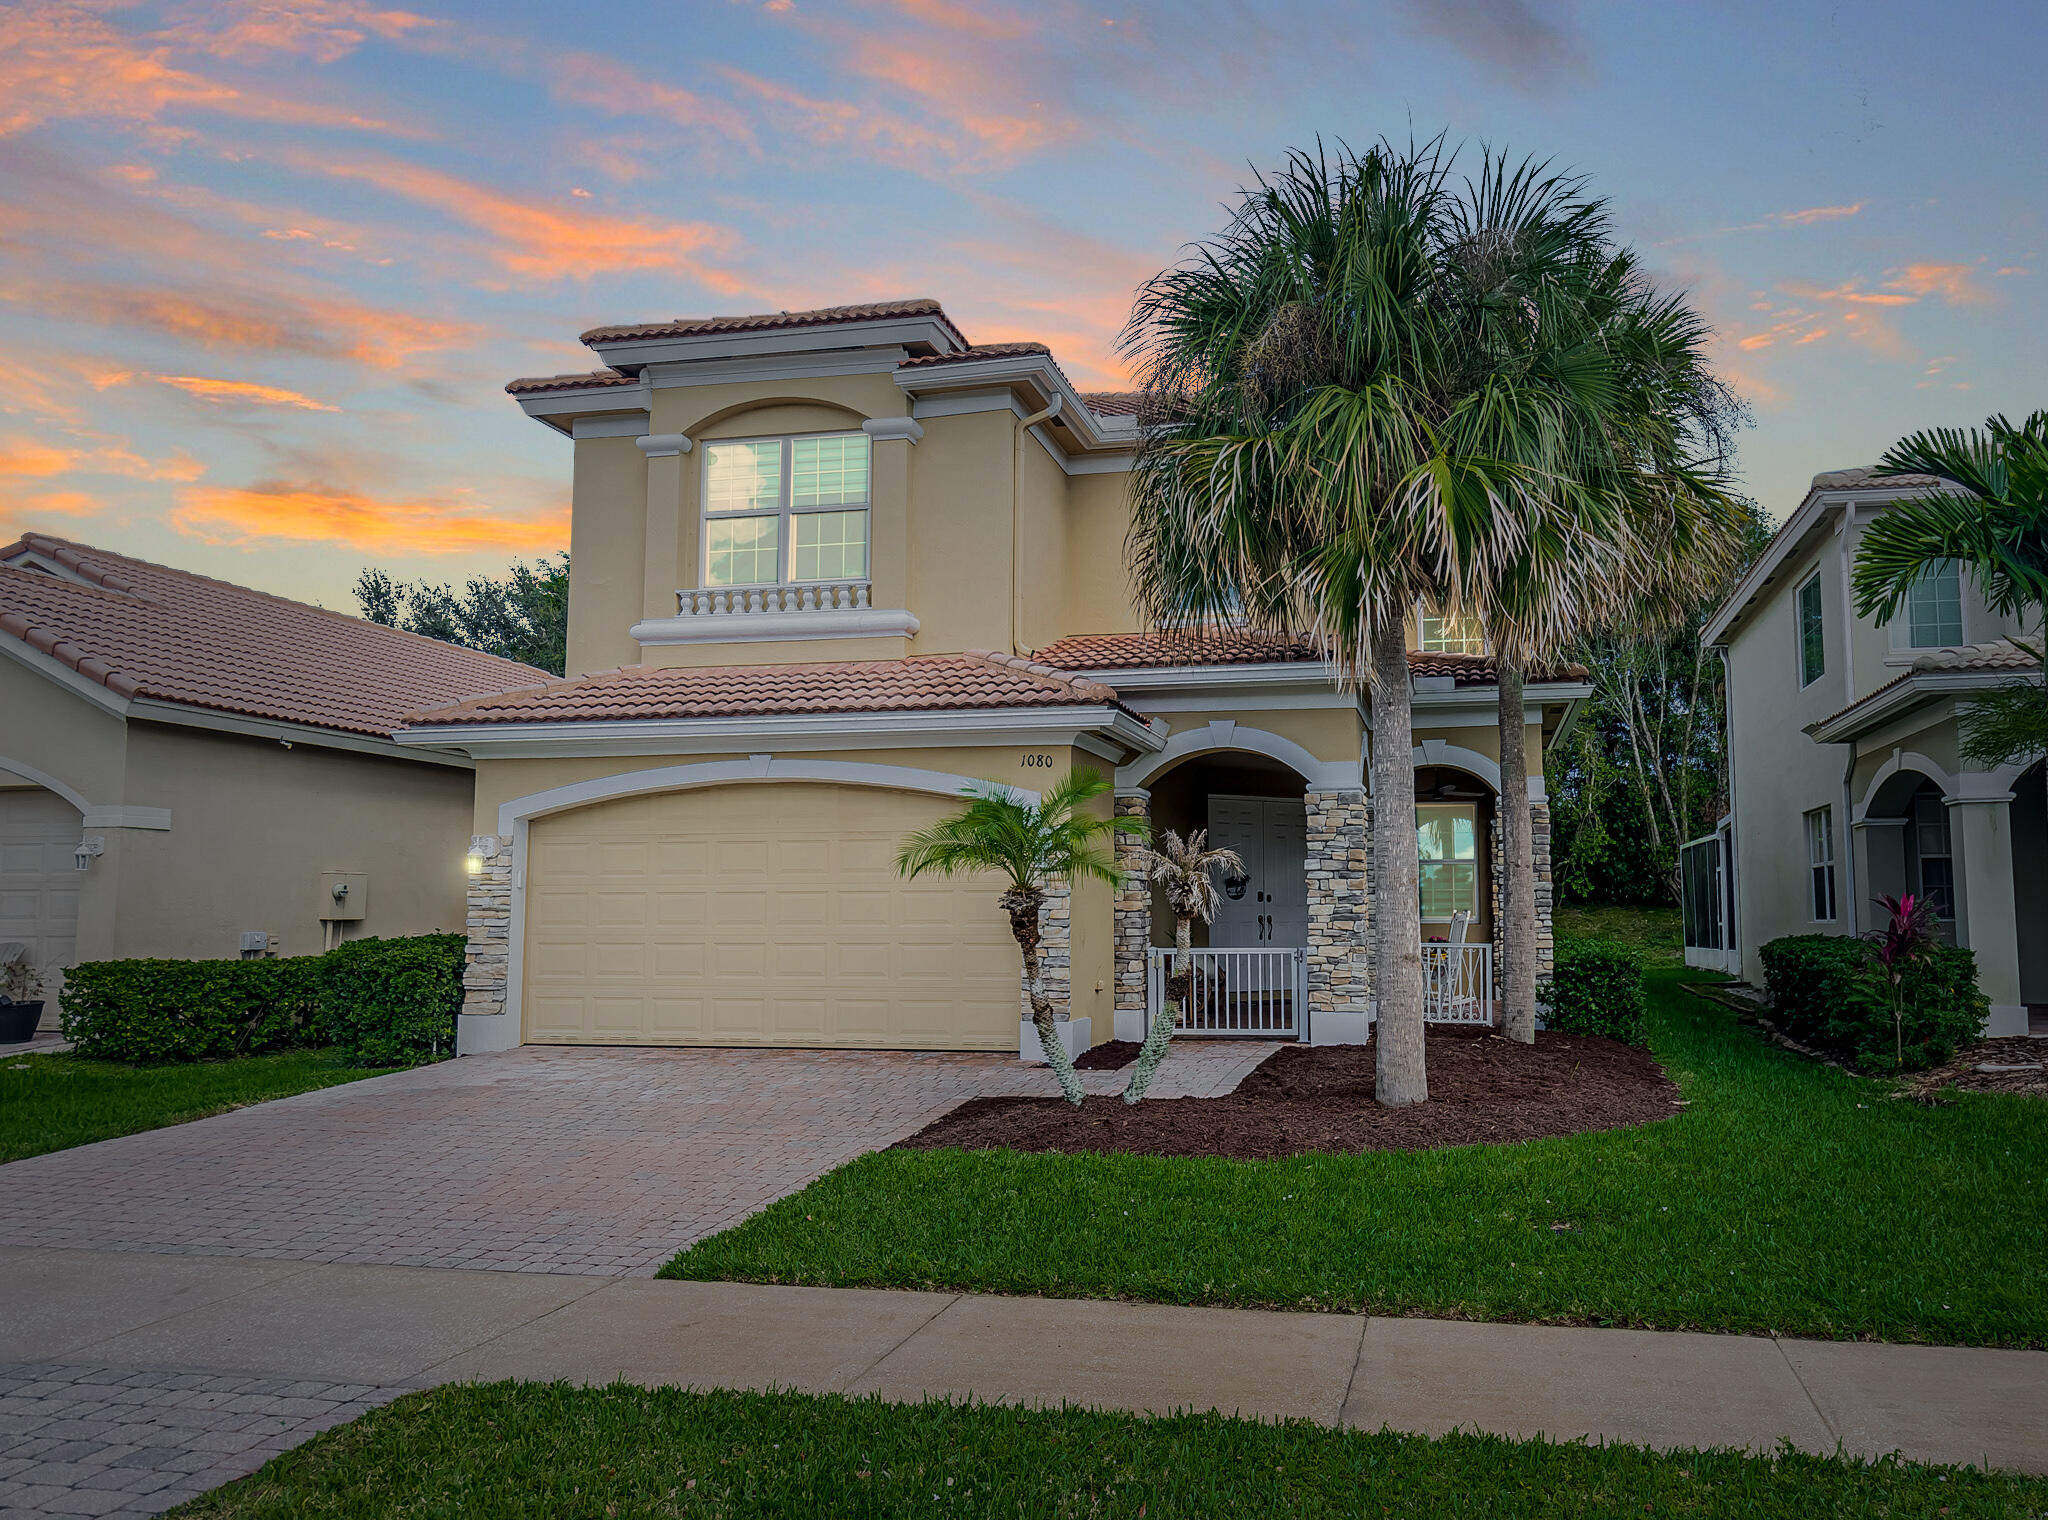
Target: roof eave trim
1037,370
928,330
1902,696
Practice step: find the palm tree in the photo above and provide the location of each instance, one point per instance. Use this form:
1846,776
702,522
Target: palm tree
1621,431
1324,444
1993,518
1186,869
1031,846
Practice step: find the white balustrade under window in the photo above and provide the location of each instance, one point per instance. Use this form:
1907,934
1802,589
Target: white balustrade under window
804,596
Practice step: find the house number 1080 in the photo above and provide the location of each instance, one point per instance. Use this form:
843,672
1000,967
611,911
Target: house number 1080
1038,762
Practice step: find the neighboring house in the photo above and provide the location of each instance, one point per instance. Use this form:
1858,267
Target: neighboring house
830,568
190,769
1844,777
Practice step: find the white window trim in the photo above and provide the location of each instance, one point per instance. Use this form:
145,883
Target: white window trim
785,512
1460,807
1826,839
1901,626
1799,629
1423,610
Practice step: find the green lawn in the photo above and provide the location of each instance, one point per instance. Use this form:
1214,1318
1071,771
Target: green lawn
513,1449
1658,934
48,1103
1788,1197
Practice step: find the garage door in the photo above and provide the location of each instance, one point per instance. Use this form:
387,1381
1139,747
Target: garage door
38,883
767,914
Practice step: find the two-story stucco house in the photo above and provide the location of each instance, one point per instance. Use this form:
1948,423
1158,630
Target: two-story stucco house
832,566
1844,773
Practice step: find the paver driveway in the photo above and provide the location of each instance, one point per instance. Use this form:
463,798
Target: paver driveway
539,1159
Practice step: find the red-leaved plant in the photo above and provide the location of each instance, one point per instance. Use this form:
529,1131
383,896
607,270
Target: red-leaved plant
1911,929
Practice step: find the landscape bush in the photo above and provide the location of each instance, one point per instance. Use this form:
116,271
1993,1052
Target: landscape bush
380,1002
1824,993
1596,987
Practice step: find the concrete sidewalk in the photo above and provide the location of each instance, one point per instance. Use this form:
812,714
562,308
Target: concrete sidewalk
376,1330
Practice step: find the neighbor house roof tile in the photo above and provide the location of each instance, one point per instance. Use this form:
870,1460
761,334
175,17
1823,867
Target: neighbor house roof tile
144,630
770,321
1114,403
601,377
1999,654
925,683
977,351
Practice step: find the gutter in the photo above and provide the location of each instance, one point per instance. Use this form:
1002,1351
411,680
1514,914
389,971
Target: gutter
1021,427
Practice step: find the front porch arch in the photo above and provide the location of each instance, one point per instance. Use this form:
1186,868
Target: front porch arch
1221,734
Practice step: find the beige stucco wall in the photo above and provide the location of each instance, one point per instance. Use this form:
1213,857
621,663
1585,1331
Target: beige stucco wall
253,826
1095,579
607,550
63,735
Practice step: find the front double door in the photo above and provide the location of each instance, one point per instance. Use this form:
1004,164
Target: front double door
1268,906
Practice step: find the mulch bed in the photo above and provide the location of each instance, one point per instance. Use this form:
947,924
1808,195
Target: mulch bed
1110,1055
1962,1073
1482,1090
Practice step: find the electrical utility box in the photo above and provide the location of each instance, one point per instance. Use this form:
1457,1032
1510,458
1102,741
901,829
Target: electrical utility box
344,896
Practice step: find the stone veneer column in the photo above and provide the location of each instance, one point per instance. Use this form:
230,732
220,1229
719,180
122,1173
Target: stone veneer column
1539,849
1131,922
1338,865
488,961
1055,953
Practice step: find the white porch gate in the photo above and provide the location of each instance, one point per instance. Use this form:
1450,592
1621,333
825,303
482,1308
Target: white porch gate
1259,993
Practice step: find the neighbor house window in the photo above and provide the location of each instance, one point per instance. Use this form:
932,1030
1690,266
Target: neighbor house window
1448,841
1937,857
1820,859
786,509
1813,661
1439,633
1934,607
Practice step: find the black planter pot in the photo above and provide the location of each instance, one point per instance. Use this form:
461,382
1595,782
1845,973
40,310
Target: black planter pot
18,1021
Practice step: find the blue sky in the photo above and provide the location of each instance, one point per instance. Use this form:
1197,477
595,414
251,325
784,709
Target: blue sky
265,265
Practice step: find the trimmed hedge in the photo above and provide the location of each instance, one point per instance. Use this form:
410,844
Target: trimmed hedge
381,1002
1596,987
1825,992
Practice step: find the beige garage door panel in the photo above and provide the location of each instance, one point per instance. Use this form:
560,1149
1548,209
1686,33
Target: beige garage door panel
39,882
769,914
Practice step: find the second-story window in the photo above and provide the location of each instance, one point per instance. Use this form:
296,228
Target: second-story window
1934,607
786,509
1439,633
1813,662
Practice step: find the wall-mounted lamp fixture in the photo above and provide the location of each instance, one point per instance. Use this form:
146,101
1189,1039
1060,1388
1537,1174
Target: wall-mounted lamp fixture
474,860
89,847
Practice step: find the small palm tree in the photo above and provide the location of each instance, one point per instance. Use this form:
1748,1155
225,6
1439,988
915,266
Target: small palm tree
1992,518
1187,870
1032,846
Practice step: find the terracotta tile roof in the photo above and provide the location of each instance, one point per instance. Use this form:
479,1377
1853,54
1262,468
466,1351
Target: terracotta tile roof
769,321
144,630
1139,651
924,683
2000,654
533,383
977,351
1114,403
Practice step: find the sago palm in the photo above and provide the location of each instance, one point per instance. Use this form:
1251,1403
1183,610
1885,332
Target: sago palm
1324,445
1185,870
1992,518
1031,846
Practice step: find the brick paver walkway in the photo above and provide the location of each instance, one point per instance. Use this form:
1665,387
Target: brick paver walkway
542,1159
100,1441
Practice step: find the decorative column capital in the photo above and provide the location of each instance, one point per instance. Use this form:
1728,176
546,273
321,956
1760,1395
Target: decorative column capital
889,429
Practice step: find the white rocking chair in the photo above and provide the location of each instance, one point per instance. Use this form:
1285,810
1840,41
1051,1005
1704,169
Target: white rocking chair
1452,1004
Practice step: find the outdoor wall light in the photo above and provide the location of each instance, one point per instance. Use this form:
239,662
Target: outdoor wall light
474,862
88,847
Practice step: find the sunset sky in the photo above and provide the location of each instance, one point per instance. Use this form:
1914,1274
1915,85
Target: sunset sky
266,265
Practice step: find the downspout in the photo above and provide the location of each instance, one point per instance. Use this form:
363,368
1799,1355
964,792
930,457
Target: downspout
1849,833
1731,932
1024,426
1848,700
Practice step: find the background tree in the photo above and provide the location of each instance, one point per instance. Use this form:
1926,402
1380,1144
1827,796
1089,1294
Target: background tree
1993,520
1031,846
524,616
1186,870
1314,458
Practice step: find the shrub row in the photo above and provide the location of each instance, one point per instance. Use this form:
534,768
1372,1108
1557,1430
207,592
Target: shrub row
1596,987
1825,992
382,1002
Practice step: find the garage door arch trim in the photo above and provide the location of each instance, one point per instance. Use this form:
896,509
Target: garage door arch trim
516,815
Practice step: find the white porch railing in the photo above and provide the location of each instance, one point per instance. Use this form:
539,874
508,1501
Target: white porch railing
1457,984
1257,993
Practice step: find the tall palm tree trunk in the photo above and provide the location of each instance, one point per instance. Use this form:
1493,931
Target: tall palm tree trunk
1023,908
1517,866
1400,1076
